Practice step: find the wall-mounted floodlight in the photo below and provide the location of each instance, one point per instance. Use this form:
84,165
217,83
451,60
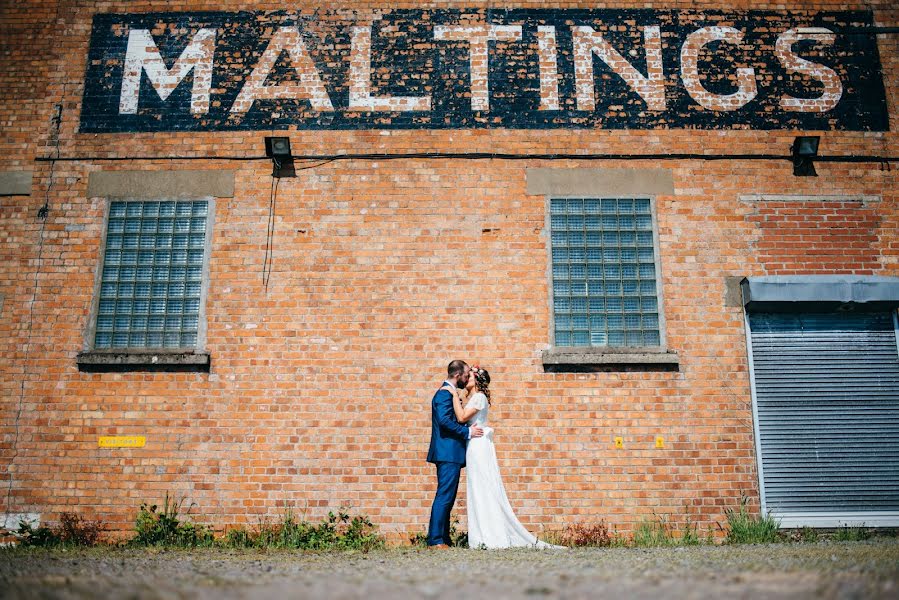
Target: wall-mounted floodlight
278,149
804,150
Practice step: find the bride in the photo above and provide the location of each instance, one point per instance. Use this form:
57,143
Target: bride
491,520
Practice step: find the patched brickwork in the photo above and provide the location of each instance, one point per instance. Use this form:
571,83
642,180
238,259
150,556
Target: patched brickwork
811,236
381,271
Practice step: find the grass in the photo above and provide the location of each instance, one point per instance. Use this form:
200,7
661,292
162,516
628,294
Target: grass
164,528
659,533
169,526
71,531
746,528
339,531
459,538
808,535
849,533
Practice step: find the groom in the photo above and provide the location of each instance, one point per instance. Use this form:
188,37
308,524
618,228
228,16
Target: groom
447,452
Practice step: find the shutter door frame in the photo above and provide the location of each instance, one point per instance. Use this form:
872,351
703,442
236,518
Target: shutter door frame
809,518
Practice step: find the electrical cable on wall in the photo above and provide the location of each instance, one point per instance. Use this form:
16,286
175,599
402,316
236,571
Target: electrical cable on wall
269,259
42,215
270,233
326,158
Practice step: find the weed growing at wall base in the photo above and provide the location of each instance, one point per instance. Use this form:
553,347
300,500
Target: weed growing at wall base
166,529
659,533
593,535
851,533
745,528
339,531
72,530
458,537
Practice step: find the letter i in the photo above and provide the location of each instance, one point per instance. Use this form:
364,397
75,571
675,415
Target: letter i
549,68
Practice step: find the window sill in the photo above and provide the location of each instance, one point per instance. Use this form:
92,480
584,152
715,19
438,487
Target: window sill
104,361
592,360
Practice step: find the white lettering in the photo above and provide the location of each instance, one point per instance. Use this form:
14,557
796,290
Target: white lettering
689,57
833,87
650,87
360,80
310,86
142,55
478,38
549,68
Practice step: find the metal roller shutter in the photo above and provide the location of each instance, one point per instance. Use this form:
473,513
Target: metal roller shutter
826,398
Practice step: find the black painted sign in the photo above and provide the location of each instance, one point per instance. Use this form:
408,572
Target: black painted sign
483,68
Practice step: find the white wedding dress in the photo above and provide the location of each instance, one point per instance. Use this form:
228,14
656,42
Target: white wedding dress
491,521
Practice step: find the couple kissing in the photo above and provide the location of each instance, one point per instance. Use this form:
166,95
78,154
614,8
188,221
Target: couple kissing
461,437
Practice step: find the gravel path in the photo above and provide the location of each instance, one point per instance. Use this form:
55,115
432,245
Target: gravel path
823,570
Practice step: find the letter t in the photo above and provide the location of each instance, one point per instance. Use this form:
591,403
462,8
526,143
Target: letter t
478,38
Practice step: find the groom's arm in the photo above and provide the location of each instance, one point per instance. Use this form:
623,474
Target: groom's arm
446,418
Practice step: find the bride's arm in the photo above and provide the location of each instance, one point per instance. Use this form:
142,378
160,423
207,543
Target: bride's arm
462,414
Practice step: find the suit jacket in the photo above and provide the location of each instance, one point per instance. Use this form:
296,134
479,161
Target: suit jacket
448,437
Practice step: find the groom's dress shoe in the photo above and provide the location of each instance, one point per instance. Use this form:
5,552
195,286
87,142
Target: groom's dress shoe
439,547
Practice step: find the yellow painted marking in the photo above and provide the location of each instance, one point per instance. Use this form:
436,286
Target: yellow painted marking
122,441
619,442
660,442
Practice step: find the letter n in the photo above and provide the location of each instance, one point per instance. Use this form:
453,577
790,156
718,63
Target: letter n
650,87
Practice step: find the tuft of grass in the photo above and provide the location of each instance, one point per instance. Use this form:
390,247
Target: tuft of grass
164,528
801,534
459,538
690,535
659,533
746,528
850,533
339,531
72,530
654,533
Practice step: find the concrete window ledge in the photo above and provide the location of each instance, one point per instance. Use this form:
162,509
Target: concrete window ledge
590,360
117,361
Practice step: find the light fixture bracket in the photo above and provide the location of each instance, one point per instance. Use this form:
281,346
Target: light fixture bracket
804,150
278,149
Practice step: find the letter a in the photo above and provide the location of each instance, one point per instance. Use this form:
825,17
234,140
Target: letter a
310,86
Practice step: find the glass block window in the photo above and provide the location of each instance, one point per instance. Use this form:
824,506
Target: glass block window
152,275
604,273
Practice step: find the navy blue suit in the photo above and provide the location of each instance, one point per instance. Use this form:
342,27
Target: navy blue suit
447,451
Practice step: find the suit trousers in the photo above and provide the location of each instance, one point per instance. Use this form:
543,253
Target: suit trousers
447,485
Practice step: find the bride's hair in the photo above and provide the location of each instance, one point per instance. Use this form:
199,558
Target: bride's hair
482,381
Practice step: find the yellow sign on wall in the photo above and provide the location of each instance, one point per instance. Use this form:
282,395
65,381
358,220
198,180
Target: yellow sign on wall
122,441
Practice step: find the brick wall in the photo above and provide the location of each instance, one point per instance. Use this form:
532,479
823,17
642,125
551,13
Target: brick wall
382,271
802,237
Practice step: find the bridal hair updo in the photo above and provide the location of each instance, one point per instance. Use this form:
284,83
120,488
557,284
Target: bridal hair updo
482,380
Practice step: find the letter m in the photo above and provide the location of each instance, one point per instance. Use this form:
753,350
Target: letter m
143,56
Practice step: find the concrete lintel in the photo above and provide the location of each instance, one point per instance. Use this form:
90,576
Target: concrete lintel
562,360
157,185
15,183
104,361
796,292
599,182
